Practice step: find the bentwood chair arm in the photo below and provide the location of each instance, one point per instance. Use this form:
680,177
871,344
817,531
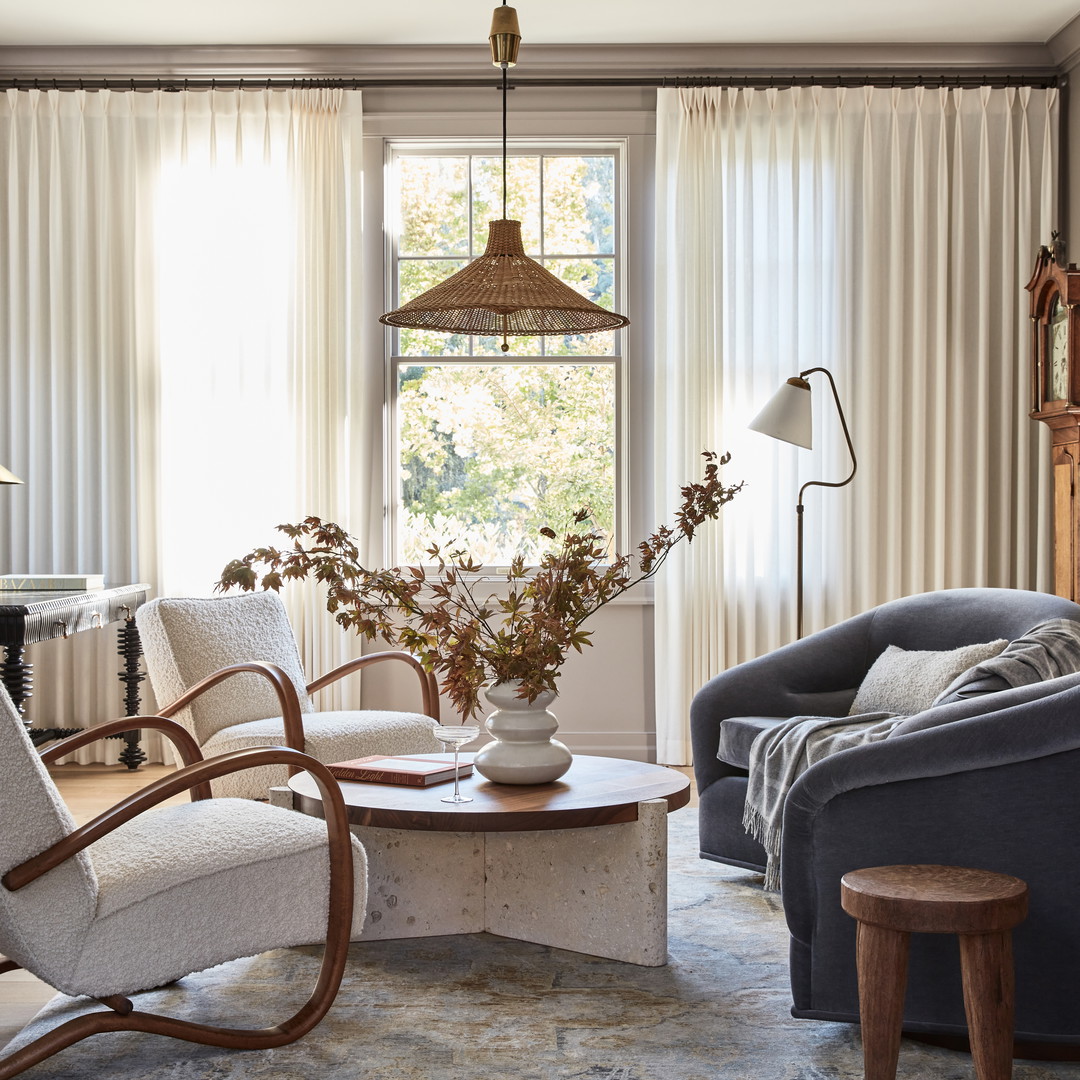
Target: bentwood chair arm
181,738
429,688
288,699
123,1016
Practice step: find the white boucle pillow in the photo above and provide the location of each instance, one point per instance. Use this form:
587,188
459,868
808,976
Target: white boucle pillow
906,682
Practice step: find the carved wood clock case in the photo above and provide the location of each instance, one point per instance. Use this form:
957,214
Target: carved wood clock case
1055,349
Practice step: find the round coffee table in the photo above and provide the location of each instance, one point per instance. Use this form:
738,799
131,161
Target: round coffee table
580,863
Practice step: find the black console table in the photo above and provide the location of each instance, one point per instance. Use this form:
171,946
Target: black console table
29,617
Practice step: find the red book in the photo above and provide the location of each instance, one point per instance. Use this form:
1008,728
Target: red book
389,769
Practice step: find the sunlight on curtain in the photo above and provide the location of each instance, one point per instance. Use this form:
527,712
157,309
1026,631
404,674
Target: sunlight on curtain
226,429
176,311
885,234
257,279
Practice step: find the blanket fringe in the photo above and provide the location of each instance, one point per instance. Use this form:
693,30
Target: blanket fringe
768,836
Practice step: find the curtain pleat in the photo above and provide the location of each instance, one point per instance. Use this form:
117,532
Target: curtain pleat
176,369
885,234
324,165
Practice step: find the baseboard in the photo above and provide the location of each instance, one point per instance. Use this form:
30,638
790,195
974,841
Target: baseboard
632,745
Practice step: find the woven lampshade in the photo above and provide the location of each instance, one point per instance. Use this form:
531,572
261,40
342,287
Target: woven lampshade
504,293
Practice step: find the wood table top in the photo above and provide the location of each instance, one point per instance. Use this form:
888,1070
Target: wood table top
595,791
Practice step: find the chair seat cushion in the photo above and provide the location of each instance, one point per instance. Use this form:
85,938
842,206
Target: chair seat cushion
737,735
183,888
328,736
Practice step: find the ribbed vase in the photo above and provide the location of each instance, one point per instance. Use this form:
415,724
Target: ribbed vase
523,751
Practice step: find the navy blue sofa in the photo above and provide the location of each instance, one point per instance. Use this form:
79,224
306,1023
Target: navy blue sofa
991,782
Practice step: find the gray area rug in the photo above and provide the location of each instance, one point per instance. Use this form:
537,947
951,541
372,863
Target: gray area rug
479,1007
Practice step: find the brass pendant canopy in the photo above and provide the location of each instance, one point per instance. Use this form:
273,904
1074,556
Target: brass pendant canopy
505,37
504,293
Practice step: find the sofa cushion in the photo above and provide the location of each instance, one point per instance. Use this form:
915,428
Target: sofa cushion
906,682
737,735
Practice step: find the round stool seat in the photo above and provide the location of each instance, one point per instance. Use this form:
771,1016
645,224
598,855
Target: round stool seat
934,899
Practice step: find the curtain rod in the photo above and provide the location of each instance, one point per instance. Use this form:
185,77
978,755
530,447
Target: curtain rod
758,81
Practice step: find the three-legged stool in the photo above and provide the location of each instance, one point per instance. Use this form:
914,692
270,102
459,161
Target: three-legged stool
892,902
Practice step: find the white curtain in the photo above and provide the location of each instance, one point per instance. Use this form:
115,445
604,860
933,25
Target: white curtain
887,235
177,346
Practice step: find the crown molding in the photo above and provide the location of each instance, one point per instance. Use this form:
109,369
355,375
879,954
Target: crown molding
432,62
1064,46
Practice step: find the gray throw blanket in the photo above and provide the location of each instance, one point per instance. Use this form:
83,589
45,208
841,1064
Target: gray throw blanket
781,754
1046,651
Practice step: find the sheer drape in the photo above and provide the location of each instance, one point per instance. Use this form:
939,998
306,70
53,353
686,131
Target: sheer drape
175,313
884,234
255,229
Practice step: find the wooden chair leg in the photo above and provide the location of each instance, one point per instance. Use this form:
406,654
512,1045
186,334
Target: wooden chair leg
881,957
118,1003
986,964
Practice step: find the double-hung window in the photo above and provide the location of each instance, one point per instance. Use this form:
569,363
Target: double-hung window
489,447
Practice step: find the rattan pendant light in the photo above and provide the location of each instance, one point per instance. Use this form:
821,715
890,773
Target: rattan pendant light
504,293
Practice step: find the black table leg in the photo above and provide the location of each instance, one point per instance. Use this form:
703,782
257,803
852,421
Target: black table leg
15,674
131,650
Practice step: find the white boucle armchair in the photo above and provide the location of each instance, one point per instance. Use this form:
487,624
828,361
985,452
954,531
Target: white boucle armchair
186,640
134,900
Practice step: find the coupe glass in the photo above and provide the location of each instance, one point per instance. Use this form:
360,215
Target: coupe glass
456,736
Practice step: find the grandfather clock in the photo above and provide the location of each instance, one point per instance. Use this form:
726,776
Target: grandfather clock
1055,347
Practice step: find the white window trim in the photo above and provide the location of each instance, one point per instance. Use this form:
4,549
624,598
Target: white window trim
393,147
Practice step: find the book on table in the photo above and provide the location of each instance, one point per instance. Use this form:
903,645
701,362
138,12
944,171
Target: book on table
51,582
398,769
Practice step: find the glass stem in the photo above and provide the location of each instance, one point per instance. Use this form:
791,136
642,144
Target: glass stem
456,791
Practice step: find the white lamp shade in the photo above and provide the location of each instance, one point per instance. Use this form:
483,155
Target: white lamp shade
7,477
787,415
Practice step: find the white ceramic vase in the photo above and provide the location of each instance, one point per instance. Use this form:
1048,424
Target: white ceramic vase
523,751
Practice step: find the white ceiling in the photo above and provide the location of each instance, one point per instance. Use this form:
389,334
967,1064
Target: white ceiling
453,22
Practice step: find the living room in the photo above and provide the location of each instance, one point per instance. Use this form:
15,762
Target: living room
195,353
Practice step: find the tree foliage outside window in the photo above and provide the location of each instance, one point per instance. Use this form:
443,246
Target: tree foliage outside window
491,446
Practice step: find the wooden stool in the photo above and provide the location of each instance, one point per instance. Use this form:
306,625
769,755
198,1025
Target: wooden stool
892,902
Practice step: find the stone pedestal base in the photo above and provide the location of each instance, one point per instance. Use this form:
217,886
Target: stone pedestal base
600,890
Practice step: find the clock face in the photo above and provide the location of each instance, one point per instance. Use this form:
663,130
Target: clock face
1059,352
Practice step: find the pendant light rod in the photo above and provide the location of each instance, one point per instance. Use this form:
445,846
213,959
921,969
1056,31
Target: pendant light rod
505,37
504,89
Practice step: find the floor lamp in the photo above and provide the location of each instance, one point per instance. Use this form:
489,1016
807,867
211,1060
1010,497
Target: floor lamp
787,417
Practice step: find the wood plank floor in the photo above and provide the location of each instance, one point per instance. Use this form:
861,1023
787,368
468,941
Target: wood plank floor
88,790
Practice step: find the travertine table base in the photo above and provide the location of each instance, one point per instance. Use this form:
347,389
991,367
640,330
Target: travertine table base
599,889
